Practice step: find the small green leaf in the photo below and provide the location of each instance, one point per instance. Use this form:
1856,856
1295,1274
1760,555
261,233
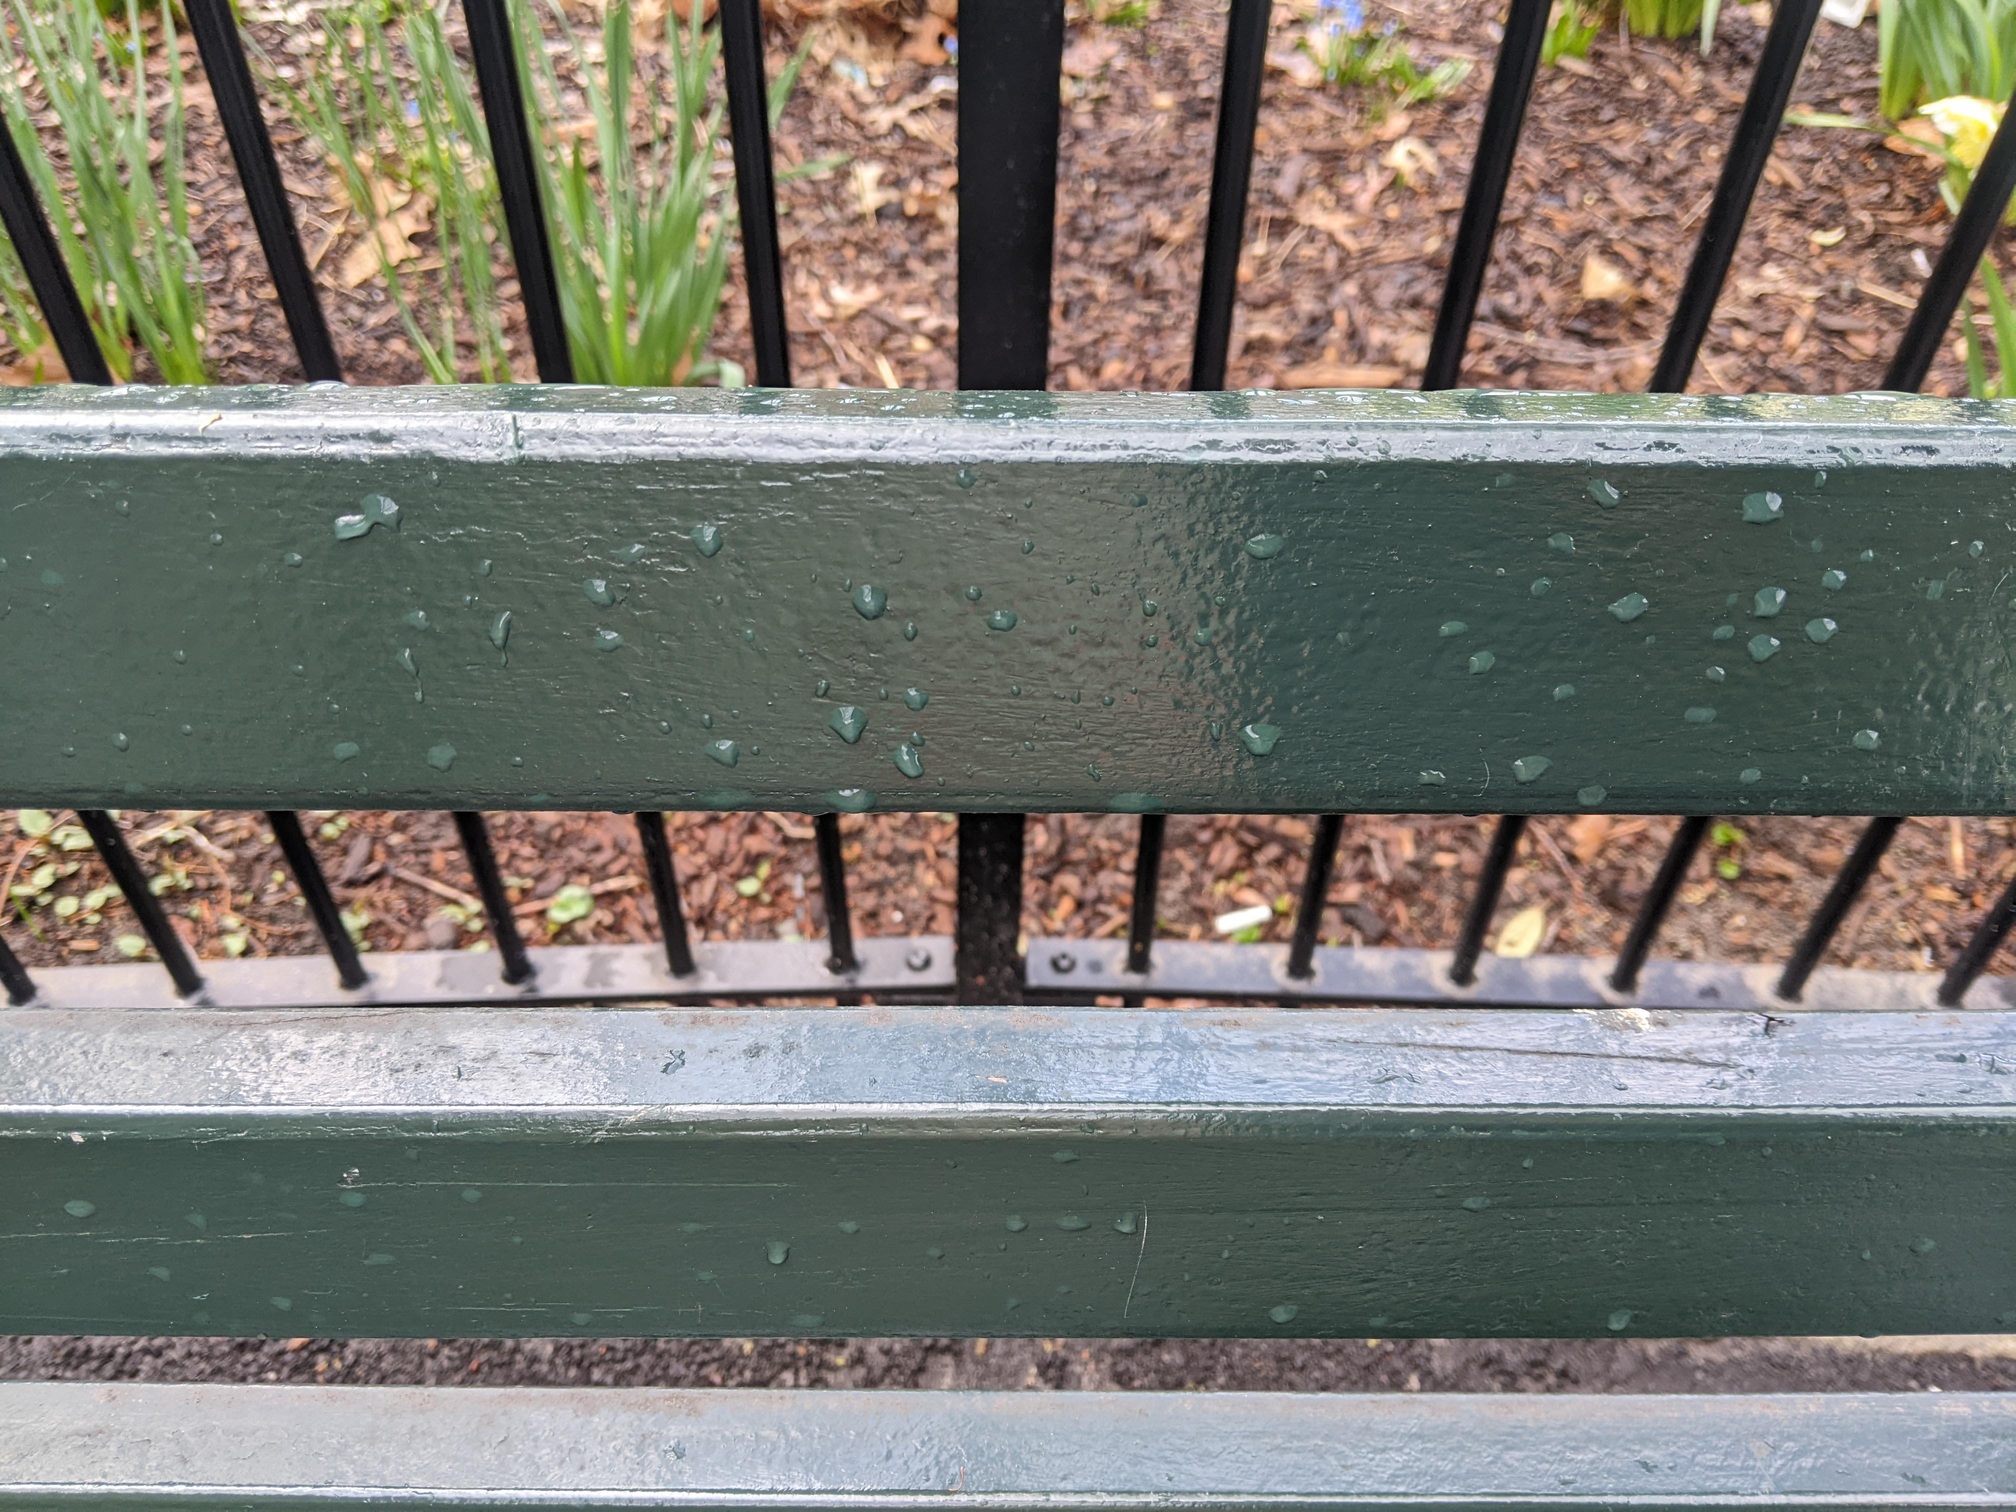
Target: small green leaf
65,906
131,946
749,886
571,903
1729,868
234,944
35,823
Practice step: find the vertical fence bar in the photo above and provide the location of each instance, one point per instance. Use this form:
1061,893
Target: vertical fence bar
504,115
755,188
665,892
1658,899
1979,950
132,882
1750,148
321,902
1315,893
1490,171
14,977
475,836
840,956
1966,244
1147,886
223,53
1869,848
1484,901
1231,179
1010,63
42,263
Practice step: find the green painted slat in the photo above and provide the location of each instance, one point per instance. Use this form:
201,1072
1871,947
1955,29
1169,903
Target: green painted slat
260,1447
880,1171
1387,581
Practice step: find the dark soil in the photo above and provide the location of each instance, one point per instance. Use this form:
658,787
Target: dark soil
1608,1365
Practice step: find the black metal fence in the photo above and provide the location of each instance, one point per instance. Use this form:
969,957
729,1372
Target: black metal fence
1010,54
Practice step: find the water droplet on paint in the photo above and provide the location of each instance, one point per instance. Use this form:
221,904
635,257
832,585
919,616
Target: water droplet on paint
1526,768
1620,1320
1867,740
1562,542
848,721
1763,508
870,601
1767,603
965,477
1540,587
1016,1223
777,1252
1453,627
1431,778
1001,619
345,750
293,559
607,640
1749,775
1071,1223
1763,647
910,630
1149,608
973,593
77,1207
1975,548
500,630
849,800
1821,630
1483,661
1563,691
417,618
908,762
1591,795
727,752
1028,546
1605,494
916,698
1264,547
1868,554
822,687
707,540
1833,578
1629,607
1936,588
599,592
1285,1313
441,757
1260,739
119,740
1715,674
1700,714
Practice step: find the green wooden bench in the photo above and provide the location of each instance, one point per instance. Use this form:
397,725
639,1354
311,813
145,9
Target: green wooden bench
1324,604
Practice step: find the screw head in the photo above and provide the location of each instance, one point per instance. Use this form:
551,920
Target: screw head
919,959
1063,961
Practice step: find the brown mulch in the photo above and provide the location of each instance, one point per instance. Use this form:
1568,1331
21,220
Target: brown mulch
1350,221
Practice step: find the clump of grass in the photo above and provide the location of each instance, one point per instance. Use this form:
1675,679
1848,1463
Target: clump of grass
1351,52
391,107
122,222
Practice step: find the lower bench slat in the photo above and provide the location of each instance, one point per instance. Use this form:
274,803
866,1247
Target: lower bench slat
876,1171
252,1447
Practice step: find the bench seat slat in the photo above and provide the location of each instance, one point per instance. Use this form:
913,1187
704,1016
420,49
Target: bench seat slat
840,1171
256,1447
599,599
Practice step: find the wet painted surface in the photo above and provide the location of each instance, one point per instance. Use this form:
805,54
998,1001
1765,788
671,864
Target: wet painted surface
531,598
834,1172
472,1446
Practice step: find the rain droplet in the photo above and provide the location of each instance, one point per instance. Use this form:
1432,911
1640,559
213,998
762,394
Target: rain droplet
1526,768
973,593
1562,542
441,757
1763,647
870,601
908,762
1001,619
1936,589
293,559
1767,603
1027,547
1867,740
485,567
1724,632
406,663
1285,1313
121,741
500,630
1563,691
777,1252
822,687
1868,554
607,640
1715,674
1821,630
1264,547
916,698
1700,714
910,630
1763,508
1833,578
1620,1320
727,752
632,554
417,618
345,750
707,539
1149,607
1540,587
1591,795
1605,494
599,592
965,477
1071,1223
1975,548
1016,1223
1431,778
77,1207
1453,627
1629,607
1483,661
1258,738
1749,774
848,722
850,800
